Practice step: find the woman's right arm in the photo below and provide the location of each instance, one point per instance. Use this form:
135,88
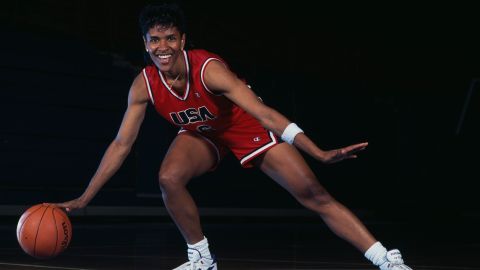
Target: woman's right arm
120,147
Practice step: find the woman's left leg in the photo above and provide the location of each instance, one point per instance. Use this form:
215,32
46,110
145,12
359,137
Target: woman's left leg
287,167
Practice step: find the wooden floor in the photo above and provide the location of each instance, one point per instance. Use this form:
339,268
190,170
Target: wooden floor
153,243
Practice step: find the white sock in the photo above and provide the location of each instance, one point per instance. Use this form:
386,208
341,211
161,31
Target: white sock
200,248
376,253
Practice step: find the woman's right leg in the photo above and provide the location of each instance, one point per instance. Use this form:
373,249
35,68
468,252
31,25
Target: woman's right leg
189,156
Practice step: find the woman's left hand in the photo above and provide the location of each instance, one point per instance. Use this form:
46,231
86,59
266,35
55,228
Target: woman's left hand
340,154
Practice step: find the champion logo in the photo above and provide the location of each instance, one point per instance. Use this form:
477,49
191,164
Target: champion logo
197,94
257,139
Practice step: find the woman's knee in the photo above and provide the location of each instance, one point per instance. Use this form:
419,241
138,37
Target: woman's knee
316,198
171,179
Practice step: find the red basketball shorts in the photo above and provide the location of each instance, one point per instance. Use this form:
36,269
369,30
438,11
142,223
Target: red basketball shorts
246,139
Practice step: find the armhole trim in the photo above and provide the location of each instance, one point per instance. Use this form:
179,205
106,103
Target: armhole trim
145,77
202,74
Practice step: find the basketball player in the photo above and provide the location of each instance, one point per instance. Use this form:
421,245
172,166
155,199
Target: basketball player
217,112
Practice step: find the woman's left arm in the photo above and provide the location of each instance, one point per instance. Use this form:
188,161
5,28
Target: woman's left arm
221,80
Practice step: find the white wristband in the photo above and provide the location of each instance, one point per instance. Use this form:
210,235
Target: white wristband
290,132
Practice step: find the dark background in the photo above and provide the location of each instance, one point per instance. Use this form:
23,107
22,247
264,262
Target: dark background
403,77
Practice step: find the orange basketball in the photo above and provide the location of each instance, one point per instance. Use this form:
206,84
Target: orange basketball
44,231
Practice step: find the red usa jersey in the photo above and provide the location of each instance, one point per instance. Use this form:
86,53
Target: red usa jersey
198,109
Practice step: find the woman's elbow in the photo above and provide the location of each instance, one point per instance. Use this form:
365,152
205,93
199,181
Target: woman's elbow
122,144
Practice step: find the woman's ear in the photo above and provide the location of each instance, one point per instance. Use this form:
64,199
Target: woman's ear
183,42
145,43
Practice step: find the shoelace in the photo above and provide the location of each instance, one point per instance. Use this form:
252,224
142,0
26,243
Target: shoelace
193,265
194,257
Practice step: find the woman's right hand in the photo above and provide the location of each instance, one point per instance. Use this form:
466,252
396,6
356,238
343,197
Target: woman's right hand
77,203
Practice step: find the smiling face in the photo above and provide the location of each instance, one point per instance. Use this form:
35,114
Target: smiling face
165,44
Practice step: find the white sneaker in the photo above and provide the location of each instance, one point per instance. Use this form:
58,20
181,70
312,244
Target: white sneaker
202,264
196,262
394,261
